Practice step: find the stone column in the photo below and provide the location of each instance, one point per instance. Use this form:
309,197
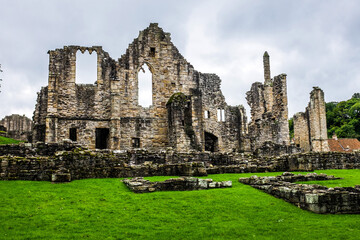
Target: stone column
317,121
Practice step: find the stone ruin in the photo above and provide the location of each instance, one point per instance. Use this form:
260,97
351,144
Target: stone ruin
269,109
310,131
17,127
140,185
188,111
312,197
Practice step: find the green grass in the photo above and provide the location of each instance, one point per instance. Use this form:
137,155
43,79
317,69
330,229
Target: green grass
106,209
5,140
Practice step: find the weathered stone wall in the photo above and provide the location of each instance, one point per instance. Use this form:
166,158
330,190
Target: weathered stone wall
301,131
39,117
269,111
40,161
315,198
18,127
228,124
112,103
310,131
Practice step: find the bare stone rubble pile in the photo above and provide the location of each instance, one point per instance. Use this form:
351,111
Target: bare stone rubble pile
312,197
140,185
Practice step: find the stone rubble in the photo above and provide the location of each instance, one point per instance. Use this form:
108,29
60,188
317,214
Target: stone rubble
140,185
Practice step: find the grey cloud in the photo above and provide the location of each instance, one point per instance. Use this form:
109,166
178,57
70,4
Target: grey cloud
314,42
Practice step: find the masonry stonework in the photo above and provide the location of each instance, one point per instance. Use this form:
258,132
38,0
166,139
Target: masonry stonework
107,114
269,111
310,131
17,127
188,110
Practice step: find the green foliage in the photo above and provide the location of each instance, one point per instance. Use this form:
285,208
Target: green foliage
179,97
291,128
5,140
106,209
343,118
356,95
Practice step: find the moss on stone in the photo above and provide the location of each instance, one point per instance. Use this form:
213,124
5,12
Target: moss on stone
177,97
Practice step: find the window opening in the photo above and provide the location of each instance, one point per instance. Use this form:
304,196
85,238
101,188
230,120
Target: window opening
221,115
73,134
211,142
145,86
152,52
207,114
86,67
135,142
102,137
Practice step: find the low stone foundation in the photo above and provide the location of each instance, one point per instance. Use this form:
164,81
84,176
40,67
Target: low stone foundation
315,198
41,161
140,185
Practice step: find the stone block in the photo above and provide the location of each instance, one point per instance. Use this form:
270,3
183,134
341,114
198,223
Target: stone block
61,177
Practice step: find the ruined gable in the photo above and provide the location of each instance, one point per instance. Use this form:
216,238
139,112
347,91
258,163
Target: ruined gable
107,114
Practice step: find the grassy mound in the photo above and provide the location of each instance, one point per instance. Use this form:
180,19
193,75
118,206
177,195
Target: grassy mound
5,140
106,209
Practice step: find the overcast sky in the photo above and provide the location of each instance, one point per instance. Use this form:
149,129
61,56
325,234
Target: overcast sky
316,43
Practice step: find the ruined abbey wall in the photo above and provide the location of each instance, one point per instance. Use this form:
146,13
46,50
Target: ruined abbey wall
107,114
310,131
269,111
17,127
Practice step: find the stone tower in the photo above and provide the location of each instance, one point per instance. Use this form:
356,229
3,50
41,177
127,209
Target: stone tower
269,110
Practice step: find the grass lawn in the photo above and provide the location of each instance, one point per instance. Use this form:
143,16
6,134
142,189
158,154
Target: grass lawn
5,140
106,209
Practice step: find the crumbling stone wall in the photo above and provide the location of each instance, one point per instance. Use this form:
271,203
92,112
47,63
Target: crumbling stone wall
40,161
18,127
310,131
312,197
39,117
107,114
269,110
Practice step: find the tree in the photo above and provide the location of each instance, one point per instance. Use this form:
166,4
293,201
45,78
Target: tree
356,95
343,118
291,128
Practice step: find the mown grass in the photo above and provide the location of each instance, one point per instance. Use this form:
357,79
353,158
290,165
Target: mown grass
106,209
5,140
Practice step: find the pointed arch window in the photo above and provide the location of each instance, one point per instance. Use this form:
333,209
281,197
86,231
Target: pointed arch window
145,86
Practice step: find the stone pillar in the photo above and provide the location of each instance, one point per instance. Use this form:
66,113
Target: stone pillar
266,61
280,109
317,121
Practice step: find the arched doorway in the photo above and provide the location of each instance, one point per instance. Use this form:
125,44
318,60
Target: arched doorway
211,142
